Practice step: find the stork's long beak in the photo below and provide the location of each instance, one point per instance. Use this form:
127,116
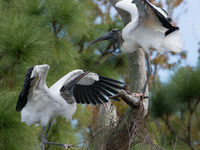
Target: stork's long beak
114,35
105,37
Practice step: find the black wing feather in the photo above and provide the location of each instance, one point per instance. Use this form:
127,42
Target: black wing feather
109,79
165,21
79,100
110,84
84,99
76,89
105,92
98,92
22,100
87,97
102,89
107,88
94,98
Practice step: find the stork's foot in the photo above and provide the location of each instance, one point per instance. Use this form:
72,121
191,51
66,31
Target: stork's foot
65,146
141,98
131,98
69,146
139,95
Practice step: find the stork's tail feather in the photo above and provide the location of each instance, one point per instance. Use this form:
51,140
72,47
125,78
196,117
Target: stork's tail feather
172,42
171,30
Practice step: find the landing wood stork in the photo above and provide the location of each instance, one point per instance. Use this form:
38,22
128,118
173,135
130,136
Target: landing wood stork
149,29
42,105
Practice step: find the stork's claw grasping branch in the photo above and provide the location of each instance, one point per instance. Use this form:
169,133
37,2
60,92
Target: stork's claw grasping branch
69,146
130,98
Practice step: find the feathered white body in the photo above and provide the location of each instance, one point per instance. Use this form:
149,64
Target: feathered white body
146,32
46,104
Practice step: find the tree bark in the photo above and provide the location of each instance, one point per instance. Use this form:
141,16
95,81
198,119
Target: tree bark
136,61
121,134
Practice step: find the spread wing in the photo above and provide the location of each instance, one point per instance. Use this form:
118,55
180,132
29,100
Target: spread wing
22,100
35,77
161,14
96,92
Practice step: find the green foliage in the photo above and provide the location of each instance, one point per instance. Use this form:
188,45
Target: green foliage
14,134
163,101
22,38
183,87
186,82
176,104
55,33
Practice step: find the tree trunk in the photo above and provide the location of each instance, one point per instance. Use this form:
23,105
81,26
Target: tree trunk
120,135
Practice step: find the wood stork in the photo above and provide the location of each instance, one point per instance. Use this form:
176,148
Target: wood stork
149,29
42,105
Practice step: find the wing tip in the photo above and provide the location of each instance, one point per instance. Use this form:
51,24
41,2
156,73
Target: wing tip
171,30
22,100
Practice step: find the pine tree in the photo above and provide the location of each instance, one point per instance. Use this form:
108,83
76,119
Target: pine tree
47,32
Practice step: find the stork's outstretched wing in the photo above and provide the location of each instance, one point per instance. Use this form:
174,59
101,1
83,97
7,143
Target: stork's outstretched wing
97,92
159,12
25,91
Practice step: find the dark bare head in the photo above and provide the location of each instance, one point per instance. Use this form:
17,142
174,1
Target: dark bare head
114,35
67,90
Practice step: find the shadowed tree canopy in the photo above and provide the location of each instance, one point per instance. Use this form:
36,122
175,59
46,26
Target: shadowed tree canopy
177,105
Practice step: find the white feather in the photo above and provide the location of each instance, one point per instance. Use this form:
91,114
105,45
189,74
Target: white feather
146,32
89,79
172,42
46,104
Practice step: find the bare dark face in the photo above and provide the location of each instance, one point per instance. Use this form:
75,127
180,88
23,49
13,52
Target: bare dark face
67,90
114,35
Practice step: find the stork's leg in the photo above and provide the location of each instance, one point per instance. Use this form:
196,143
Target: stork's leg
149,72
47,131
43,139
44,136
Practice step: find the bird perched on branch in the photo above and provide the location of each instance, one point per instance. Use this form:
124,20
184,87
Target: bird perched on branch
149,29
42,105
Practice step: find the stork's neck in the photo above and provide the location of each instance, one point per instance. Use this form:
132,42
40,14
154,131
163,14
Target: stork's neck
133,11
41,81
131,26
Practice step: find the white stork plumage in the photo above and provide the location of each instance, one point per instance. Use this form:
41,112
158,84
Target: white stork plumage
42,105
149,29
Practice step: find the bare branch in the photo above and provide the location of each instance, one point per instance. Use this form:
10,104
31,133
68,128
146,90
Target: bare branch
104,54
129,98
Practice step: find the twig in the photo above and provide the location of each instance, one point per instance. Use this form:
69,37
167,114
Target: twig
174,144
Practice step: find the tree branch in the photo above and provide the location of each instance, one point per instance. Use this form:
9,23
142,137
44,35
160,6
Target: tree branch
135,114
81,44
55,30
104,53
